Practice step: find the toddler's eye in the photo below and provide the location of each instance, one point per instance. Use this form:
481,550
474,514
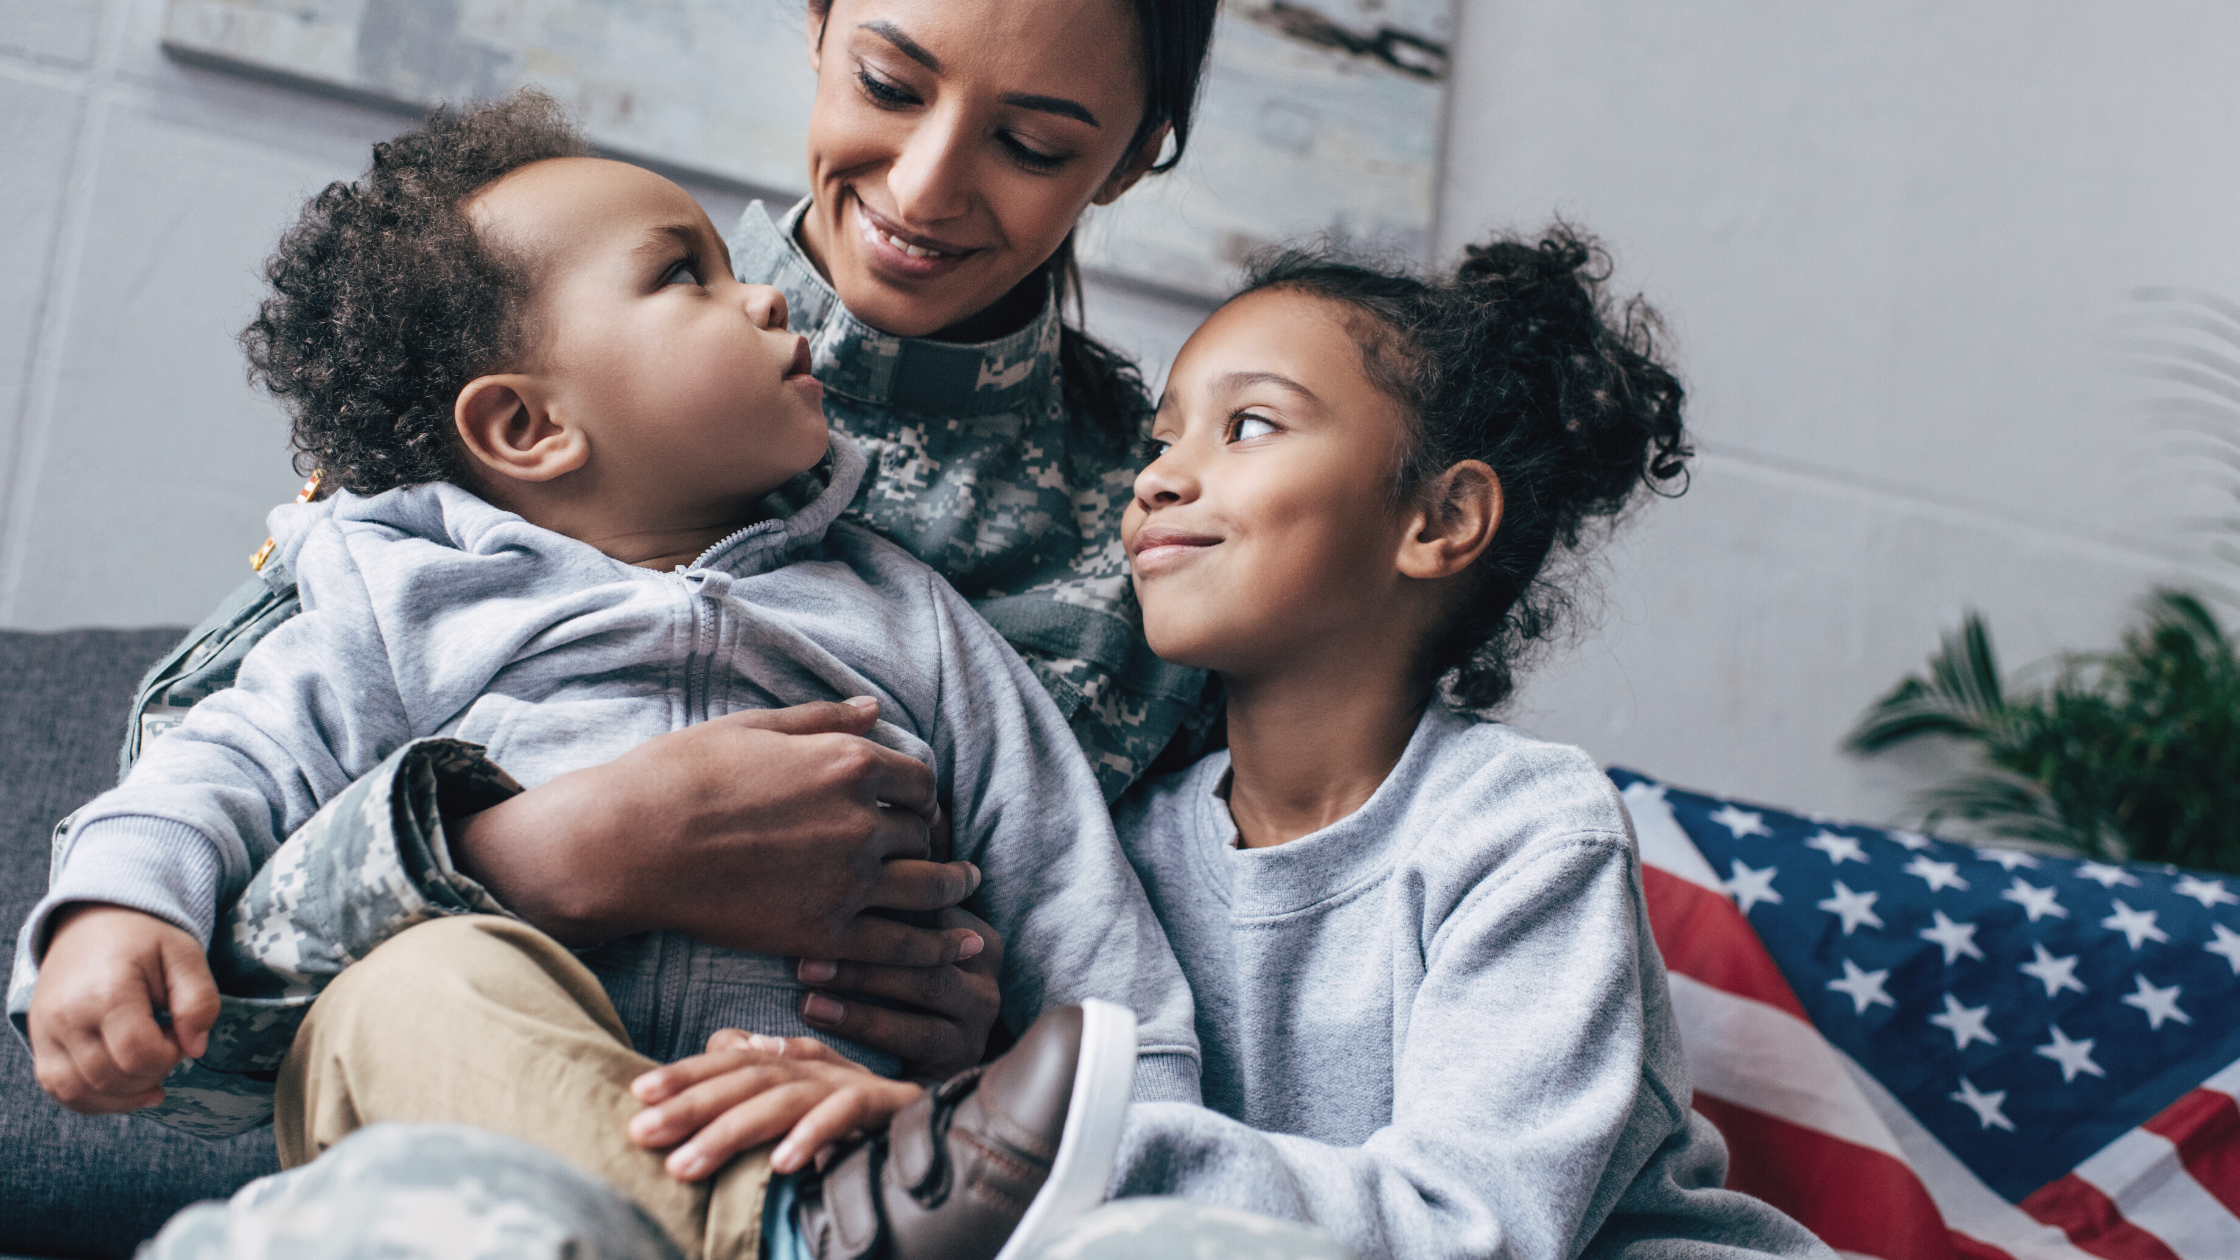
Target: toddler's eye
1251,427
1150,449
686,272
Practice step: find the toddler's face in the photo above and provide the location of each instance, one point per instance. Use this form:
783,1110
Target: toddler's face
1264,533
685,380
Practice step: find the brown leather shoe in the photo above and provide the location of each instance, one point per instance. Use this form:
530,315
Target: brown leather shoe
993,1161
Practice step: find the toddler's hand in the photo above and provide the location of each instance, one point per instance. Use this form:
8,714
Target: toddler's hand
747,1090
95,1042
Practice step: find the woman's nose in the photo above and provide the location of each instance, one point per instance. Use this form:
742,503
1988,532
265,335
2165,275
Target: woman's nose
764,305
928,181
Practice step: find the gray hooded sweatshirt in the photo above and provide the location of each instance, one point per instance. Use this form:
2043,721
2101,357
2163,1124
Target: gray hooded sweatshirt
427,611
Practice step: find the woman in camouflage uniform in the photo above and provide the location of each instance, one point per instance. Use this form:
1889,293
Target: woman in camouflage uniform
930,267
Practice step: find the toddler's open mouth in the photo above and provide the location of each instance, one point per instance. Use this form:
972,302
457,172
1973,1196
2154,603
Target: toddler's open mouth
800,364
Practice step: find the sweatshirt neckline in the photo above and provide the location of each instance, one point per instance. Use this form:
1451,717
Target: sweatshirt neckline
1358,849
862,364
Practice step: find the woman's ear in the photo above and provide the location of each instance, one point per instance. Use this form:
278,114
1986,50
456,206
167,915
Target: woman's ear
1454,523
510,433
1139,162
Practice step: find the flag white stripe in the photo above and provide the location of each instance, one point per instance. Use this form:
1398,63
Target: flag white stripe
2226,1081
1768,1060
1663,844
2141,1172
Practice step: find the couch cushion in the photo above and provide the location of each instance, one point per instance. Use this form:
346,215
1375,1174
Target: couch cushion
74,1185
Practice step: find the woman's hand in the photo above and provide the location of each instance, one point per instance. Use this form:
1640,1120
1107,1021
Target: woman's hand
747,1090
950,1008
770,831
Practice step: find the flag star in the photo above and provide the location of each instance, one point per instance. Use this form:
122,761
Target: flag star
1938,874
2105,875
1864,988
2008,859
2227,945
1854,908
1957,938
1840,849
2159,1004
2054,973
1647,790
2136,925
2209,892
1912,840
2035,901
1741,822
1749,887
1965,1023
1986,1106
2073,1056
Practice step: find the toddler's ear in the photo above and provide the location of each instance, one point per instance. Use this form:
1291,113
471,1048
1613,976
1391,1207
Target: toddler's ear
1455,519
510,432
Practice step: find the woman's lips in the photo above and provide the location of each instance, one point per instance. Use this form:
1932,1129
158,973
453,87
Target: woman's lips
1159,548
906,253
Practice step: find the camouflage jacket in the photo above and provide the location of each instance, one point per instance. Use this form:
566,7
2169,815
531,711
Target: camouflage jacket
976,468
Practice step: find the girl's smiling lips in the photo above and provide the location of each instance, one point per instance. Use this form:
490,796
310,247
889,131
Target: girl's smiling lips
1157,546
905,253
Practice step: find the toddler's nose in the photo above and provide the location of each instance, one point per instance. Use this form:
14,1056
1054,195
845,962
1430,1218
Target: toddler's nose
765,305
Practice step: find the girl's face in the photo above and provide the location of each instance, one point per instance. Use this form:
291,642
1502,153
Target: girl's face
954,143
1264,535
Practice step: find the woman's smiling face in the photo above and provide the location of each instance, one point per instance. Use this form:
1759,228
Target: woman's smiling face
1265,534
954,143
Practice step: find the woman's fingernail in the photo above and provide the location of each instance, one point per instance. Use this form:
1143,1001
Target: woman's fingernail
818,970
971,945
862,702
767,1044
821,1009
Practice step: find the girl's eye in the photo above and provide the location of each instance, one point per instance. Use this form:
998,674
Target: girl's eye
884,94
1250,426
686,272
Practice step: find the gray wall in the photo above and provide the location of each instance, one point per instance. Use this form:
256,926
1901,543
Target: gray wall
1892,241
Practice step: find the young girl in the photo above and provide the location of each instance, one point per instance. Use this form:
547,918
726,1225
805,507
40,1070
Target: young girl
1433,1018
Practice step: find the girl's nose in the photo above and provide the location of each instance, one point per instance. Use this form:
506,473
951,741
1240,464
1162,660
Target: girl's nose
764,305
1166,480
928,181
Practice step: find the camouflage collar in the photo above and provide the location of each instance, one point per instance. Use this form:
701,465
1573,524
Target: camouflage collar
1013,374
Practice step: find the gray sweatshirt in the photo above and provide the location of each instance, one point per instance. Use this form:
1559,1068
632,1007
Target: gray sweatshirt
427,611
1437,1027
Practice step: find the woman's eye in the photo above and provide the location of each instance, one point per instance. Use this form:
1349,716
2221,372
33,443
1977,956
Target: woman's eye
1251,427
884,94
1032,158
686,272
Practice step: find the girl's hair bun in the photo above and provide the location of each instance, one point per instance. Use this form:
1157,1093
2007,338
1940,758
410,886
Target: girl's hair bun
1520,360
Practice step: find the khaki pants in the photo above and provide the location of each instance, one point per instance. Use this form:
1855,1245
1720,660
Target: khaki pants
483,1021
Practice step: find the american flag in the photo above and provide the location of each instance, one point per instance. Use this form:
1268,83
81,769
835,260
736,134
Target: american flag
1922,1049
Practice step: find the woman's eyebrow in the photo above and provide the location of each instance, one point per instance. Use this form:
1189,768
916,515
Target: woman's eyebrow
1052,105
911,48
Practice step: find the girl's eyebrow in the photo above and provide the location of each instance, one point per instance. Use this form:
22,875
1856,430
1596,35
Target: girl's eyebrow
1239,380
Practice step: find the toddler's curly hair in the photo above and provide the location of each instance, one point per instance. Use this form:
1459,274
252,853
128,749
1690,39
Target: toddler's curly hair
384,304
1523,361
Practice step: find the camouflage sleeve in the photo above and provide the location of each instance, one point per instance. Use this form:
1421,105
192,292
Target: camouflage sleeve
371,863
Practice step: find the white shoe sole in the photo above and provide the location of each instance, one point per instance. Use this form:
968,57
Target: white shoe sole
1103,1082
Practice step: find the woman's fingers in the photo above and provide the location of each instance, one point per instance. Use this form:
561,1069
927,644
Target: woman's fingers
904,884
871,939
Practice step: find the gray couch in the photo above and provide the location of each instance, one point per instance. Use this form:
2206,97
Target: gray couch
74,1185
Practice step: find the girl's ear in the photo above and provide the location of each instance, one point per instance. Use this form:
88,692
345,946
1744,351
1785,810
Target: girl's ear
1454,523
507,426
1140,161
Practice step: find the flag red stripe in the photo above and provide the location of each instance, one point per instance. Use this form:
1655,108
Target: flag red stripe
1702,934
2205,1127
1856,1199
2093,1221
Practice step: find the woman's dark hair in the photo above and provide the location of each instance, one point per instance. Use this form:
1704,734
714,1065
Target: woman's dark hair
1177,36
1522,361
385,304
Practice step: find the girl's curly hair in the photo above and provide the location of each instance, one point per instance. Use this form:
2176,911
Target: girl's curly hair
384,304
1520,360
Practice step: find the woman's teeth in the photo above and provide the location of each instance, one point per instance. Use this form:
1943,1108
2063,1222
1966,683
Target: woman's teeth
914,251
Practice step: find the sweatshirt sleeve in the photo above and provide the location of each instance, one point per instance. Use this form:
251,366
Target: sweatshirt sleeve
1531,1107
1026,808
